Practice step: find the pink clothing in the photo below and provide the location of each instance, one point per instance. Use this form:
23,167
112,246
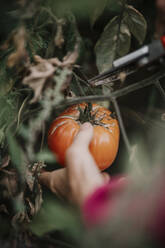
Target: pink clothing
100,205
97,206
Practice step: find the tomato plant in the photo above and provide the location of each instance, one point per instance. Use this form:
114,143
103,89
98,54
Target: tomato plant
105,141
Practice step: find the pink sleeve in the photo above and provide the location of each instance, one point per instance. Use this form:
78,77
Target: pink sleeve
97,206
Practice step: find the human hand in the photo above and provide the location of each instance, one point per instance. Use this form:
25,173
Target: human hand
81,176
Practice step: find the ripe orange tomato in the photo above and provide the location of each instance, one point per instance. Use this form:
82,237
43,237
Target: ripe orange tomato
105,141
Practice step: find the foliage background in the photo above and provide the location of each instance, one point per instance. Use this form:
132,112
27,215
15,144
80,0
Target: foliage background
48,50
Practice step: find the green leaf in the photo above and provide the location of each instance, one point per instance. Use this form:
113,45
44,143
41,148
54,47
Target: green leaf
55,216
46,156
71,33
113,43
136,23
7,78
97,12
5,87
8,107
15,152
2,137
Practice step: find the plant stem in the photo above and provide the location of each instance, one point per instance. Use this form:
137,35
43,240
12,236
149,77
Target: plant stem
122,128
118,93
160,89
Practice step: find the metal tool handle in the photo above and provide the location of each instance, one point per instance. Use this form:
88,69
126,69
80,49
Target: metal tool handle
144,55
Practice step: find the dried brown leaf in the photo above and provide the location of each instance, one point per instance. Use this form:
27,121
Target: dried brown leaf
44,69
38,76
3,209
30,179
34,199
163,117
122,76
7,42
5,162
55,62
68,61
34,206
20,54
21,215
32,172
28,198
71,57
10,183
59,38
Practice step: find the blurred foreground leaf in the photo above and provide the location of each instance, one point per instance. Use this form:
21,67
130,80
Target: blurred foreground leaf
55,216
46,156
15,152
8,106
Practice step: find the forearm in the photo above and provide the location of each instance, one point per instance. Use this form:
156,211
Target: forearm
56,181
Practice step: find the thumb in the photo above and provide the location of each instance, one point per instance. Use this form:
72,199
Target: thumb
84,135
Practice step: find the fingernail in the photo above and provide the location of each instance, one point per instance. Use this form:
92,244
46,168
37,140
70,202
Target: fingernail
85,126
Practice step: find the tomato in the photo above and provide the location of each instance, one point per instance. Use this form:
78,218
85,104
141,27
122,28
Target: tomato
105,141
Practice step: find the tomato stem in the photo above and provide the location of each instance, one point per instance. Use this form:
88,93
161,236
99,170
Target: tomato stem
86,114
